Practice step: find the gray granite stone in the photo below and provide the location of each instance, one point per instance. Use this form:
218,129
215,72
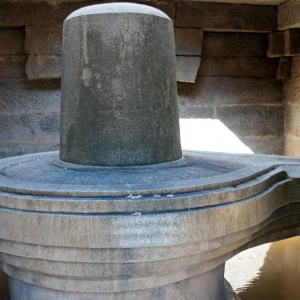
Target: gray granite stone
201,112
43,67
29,97
124,90
223,90
33,127
185,259
238,66
234,44
273,145
43,39
188,41
12,67
187,68
253,120
226,17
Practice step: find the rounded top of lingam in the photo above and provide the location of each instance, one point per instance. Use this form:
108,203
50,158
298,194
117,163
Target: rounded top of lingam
119,95
117,8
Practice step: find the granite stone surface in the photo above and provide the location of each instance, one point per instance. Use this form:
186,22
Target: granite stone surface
124,90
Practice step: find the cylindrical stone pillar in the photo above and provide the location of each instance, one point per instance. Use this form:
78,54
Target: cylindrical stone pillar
119,97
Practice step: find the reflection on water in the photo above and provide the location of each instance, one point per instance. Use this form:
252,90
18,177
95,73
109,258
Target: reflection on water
268,272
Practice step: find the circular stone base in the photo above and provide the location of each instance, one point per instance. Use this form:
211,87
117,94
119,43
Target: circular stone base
44,174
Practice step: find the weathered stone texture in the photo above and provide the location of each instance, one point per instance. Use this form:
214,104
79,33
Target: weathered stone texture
214,90
284,68
49,13
201,112
38,66
265,145
276,44
238,66
284,43
226,17
188,41
292,91
11,41
29,97
29,128
295,72
43,39
12,67
289,15
292,120
187,68
29,116
35,13
229,44
133,96
292,146
20,149
252,120
169,8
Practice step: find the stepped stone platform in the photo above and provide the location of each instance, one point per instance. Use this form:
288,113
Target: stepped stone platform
150,232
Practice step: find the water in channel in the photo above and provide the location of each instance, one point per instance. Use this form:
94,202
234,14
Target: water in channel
267,272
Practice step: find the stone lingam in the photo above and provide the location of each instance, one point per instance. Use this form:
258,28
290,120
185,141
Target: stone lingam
120,213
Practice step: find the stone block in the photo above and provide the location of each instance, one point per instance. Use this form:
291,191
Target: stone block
284,43
292,42
238,66
12,41
169,8
36,13
229,44
29,129
226,17
252,120
29,96
46,67
33,13
276,44
188,41
292,120
292,146
292,91
284,68
12,67
187,68
21,149
43,39
202,112
289,15
295,72
265,145
222,90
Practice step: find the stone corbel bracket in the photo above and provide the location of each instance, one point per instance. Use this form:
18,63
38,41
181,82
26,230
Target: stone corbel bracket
188,48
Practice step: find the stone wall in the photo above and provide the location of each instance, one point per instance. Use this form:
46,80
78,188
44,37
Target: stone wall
292,113
236,82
